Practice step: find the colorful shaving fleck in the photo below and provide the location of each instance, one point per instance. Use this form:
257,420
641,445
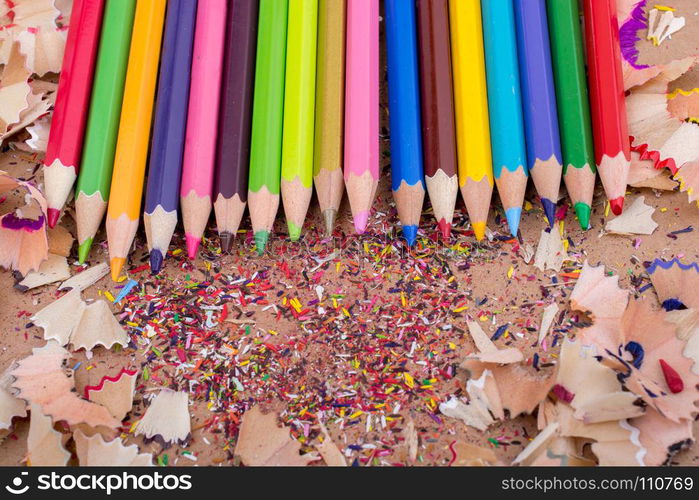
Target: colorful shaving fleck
628,33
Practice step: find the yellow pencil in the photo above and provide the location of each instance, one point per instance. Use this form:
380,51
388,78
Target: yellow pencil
471,109
134,132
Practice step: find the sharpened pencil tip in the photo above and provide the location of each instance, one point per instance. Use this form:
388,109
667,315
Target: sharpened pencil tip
478,230
156,261
410,234
549,210
261,238
294,231
444,229
116,265
513,216
54,215
84,250
617,205
329,216
192,246
226,242
583,210
361,221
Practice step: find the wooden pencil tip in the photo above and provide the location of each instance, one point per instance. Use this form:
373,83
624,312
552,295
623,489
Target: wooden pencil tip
617,205
117,265
54,214
444,229
329,216
156,261
192,246
226,241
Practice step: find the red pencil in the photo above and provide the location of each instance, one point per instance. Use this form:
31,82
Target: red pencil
72,103
607,99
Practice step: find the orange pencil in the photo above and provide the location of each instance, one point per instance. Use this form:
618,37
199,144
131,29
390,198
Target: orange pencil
134,132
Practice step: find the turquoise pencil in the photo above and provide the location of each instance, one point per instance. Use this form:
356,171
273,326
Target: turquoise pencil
505,107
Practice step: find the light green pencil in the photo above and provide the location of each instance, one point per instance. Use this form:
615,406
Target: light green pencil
92,192
267,119
299,113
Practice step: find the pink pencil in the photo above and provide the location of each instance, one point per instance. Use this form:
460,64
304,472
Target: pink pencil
362,108
202,120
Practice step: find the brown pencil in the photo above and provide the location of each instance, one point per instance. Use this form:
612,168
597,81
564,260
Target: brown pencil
330,97
437,104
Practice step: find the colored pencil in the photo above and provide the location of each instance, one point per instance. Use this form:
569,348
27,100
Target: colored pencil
299,113
233,149
202,121
167,147
505,107
573,105
539,102
404,109
437,107
607,99
361,169
267,119
62,160
134,132
330,102
475,158
92,191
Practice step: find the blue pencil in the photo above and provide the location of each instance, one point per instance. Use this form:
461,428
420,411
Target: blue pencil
505,107
404,109
539,102
165,168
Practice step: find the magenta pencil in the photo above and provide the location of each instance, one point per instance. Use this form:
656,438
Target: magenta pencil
202,121
362,108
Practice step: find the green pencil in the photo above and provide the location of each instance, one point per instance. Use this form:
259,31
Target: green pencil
299,113
573,105
92,191
267,119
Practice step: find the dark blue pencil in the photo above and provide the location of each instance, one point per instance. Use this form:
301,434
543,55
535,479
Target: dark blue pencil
539,101
165,168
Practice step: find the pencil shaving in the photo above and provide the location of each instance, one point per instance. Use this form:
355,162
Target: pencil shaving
114,393
94,451
261,442
166,418
44,444
53,269
636,219
43,379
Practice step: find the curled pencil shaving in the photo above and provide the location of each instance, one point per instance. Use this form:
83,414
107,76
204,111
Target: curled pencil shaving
23,240
44,379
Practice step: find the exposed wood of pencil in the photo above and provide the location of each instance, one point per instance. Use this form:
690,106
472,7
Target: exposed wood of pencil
443,190
477,196
121,232
330,99
614,172
89,213
361,191
229,213
296,198
511,188
263,206
580,183
195,213
546,175
159,226
409,200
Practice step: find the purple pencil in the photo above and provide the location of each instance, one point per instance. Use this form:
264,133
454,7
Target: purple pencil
233,148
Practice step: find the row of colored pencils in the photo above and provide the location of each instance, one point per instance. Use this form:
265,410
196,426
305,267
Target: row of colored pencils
253,101
485,92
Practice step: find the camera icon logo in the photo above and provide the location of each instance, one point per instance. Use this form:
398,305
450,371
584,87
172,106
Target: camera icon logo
16,487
